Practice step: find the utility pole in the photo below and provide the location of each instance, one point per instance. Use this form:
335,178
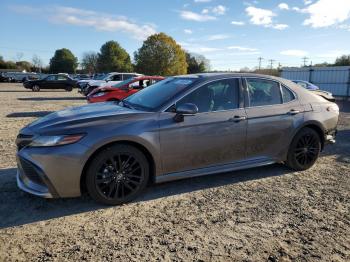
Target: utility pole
260,59
271,61
305,60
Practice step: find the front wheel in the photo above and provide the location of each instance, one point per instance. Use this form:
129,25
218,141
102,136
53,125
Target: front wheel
117,175
304,149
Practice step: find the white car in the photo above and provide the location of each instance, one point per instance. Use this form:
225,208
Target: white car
108,80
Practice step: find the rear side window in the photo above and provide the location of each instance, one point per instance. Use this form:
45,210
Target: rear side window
116,78
263,92
287,95
127,76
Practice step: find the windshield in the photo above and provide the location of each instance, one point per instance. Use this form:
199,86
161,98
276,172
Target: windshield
125,82
154,96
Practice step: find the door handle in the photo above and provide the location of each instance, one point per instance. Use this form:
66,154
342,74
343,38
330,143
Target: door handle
293,112
237,119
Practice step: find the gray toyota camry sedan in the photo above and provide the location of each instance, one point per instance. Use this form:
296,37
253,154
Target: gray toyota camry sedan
181,127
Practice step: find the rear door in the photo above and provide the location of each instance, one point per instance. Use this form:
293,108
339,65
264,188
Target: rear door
49,82
273,112
61,81
216,135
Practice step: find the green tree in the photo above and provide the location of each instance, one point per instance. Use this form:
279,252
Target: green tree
113,57
196,63
63,62
160,55
344,60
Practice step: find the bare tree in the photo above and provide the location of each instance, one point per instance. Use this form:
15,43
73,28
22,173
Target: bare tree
89,62
19,56
37,63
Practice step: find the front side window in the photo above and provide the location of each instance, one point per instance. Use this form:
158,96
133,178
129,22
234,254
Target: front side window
50,78
263,92
214,96
61,78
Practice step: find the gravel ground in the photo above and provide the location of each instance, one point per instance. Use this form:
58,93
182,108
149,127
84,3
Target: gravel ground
262,214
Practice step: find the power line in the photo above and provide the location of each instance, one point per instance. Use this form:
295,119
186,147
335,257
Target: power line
305,60
260,59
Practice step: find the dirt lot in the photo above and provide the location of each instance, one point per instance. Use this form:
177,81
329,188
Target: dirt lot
268,213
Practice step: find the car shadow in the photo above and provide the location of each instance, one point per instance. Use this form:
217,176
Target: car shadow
50,98
19,208
30,91
29,114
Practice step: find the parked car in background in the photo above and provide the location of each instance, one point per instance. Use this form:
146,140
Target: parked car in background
82,77
4,78
20,76
315,89
108,80
122,90
184,126
81,84
54,81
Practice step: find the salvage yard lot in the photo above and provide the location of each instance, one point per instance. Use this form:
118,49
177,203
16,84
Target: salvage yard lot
266,213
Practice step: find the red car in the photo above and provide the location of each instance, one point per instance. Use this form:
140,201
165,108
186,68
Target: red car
122,89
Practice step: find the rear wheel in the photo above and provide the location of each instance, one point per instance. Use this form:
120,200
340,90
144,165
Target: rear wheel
304,149
117,175
36,88
69,88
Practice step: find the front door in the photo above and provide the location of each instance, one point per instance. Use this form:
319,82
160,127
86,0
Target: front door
215,135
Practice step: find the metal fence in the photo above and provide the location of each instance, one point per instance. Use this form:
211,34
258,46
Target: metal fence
333,79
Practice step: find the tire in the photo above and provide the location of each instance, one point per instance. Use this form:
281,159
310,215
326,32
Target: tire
109,179
69,88
36,88
304,149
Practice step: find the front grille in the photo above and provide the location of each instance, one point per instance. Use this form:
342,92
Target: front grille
30,172
23,140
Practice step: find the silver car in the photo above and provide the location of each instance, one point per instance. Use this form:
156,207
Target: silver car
181,127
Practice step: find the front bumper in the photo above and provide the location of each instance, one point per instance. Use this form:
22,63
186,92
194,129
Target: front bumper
32,179
51,172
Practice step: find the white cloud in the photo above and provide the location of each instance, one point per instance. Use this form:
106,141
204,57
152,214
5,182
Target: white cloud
307,2
263,17
188,31
242,48
219,10
237,23
294,52
205,11
280,26
199,48
283,6
188,15
324,13
218,37
259,16
89,18
333,54
202,1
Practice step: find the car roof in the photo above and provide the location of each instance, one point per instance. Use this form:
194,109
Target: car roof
147,77
220,75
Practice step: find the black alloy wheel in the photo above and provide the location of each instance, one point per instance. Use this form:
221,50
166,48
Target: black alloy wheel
117,175
304,150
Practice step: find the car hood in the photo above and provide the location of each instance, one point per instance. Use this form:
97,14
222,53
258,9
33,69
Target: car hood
78,117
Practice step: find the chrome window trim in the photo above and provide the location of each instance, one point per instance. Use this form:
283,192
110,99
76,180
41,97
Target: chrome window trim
168,106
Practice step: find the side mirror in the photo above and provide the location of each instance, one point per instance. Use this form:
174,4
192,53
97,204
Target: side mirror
183,110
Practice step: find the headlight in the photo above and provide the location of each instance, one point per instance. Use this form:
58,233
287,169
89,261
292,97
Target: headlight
99,94
42,141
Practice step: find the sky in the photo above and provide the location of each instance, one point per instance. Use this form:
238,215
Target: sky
232,34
